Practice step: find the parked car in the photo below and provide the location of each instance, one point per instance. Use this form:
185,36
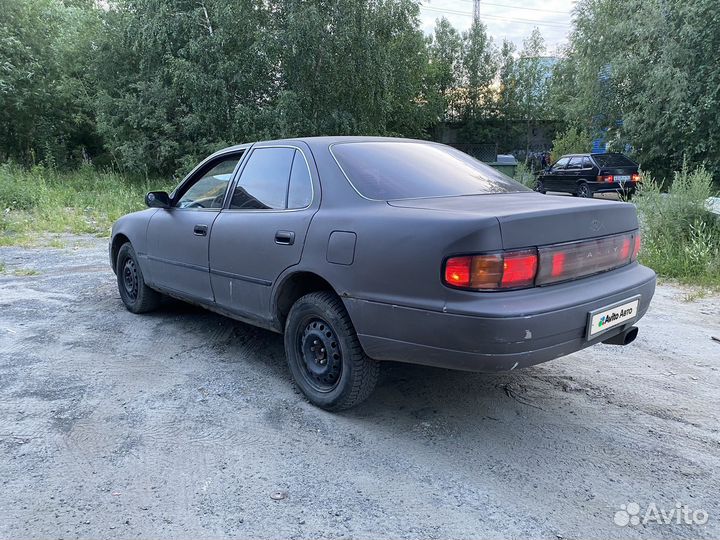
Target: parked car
364,249
584,175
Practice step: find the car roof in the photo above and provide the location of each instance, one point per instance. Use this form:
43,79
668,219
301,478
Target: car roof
593,154
323,140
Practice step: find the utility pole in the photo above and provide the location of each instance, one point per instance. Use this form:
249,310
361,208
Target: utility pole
476,12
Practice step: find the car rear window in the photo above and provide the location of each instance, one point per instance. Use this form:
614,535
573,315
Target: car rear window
406,170
613,160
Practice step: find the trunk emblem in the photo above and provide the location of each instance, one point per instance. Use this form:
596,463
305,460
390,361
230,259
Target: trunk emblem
595,225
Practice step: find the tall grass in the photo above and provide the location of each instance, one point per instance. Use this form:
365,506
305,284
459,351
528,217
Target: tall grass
525,176
83,201
681,238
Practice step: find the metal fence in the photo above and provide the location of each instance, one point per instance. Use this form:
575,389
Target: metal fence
482,151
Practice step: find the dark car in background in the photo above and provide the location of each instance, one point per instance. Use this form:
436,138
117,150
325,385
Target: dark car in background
361,249
583,175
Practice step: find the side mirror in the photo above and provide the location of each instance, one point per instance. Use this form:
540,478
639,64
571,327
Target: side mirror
157,199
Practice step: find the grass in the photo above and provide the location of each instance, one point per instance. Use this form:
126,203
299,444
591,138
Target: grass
43,200
681,239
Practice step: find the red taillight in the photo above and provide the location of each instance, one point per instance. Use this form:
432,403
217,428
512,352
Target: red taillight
625,250
519,269
542,266
635,177
636,247
606,178
457,271
574,260
509,270
558,264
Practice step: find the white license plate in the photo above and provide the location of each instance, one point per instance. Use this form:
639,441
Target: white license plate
622,178
603,319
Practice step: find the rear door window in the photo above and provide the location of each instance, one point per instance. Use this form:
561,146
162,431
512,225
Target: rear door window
575,163
300,190
587,164
409,170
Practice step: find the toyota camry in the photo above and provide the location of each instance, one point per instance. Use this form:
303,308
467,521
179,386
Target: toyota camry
364,249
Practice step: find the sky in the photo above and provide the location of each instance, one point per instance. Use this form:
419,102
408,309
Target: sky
511,19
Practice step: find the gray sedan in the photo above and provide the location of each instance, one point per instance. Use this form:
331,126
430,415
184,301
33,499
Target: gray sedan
364,249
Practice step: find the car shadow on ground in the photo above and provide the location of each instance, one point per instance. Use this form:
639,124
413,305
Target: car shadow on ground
402,388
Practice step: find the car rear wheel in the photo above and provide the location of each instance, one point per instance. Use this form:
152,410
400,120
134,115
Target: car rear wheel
583,190
324,354
137,297
540,186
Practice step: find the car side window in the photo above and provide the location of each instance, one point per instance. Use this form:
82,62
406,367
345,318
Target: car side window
575,163
560,164
586,164
208,191
300,190
263,183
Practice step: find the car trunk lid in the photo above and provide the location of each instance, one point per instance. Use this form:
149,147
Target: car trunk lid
530,219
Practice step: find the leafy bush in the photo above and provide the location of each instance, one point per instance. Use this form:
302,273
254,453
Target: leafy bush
571,141
681,238
525,176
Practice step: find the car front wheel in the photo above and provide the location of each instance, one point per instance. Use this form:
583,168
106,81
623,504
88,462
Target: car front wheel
137,297
325,355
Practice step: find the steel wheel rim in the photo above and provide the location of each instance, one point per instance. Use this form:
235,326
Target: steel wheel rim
131,279
320,355
584,190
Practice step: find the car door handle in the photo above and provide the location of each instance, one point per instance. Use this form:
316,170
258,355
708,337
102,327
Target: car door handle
285,238
200,230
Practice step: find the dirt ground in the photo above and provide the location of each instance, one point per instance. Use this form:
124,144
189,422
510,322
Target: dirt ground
184,424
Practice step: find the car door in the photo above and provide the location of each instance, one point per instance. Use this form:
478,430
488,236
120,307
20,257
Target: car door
178,237
554,179
587,172
573,172
262,230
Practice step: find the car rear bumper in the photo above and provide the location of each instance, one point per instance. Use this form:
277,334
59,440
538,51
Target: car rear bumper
499,331
612,187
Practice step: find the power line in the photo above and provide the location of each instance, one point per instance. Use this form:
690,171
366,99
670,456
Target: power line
497,18
523,8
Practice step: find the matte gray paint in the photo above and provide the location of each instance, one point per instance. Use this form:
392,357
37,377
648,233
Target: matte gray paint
392,285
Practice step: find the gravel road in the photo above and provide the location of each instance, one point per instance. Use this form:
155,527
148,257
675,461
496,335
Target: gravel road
185,424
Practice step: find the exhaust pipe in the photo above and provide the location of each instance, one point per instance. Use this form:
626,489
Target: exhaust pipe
626,337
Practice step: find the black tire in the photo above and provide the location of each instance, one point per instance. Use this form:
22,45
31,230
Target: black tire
316,325
137,297
583,190
540,186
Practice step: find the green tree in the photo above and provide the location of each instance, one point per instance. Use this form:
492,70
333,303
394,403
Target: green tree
351,66
179,79
445,50
45,104
533,74
479,70
507,97
646,74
